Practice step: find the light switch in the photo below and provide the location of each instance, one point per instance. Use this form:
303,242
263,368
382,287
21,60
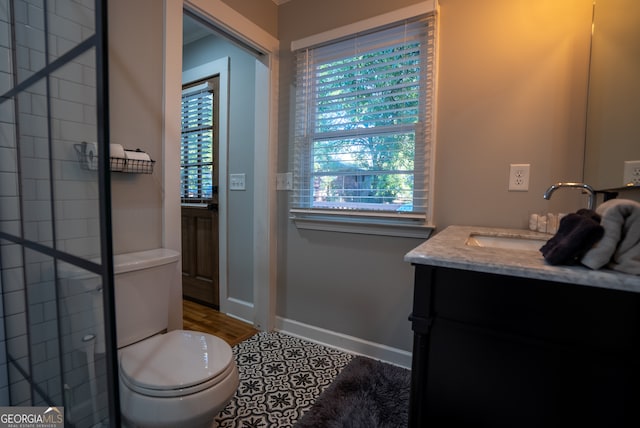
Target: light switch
237,182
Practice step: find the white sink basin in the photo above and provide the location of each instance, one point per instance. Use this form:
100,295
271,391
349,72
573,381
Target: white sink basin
526,243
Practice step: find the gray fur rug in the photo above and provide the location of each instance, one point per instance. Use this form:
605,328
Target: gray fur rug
365,394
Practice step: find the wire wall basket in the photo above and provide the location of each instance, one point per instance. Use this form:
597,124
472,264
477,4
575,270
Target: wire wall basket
89,161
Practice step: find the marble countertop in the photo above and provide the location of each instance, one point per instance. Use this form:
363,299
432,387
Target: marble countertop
448,249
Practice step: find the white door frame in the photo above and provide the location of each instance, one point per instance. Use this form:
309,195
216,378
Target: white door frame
264,215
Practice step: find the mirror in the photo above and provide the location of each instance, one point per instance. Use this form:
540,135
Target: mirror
613,114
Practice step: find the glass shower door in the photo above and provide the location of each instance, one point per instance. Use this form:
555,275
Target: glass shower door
55,241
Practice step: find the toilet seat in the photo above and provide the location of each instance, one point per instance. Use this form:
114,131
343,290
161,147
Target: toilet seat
174,364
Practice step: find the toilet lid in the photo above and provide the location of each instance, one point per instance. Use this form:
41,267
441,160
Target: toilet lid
174,361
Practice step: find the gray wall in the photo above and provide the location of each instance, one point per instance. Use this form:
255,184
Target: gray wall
511,89
136,88
263,13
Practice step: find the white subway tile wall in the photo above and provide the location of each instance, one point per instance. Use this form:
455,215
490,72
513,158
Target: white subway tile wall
53,326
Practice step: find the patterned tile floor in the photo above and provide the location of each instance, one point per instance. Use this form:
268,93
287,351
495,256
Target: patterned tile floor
280,378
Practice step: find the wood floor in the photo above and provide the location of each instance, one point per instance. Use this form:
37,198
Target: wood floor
199,317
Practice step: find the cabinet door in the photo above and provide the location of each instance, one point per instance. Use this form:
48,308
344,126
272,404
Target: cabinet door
497,351
200,254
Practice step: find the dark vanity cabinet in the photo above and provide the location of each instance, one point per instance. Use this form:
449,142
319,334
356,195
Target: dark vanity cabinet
503,351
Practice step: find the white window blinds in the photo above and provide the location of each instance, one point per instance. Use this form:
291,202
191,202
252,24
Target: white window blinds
198,183
364,119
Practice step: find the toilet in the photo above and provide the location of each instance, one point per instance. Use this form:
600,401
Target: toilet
178,378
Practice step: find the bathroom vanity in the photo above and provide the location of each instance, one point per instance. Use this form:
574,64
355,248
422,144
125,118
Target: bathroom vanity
502,339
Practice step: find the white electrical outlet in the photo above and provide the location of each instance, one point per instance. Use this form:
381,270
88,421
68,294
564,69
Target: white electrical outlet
631,173
519,177
284,181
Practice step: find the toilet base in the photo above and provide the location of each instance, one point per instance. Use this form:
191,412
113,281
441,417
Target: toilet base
209,424
193,411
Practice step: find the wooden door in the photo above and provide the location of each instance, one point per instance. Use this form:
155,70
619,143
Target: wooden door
200,254
199,182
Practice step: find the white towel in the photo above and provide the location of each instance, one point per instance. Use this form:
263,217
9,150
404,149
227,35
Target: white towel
116,151
619,248
135,155
137,161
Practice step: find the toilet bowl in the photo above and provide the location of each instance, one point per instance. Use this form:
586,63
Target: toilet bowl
178,378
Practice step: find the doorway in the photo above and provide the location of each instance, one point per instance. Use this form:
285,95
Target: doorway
245,158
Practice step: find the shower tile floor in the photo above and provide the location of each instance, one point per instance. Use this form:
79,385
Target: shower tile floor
280,378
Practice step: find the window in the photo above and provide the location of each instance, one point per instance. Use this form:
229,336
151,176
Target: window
198,158
363,123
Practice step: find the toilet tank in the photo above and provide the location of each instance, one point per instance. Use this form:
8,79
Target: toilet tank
142,282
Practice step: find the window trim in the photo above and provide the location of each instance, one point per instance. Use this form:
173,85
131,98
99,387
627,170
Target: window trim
416,225
219,66
409,225
206,84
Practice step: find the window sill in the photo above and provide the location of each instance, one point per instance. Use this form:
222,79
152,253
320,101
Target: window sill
383,224
193,205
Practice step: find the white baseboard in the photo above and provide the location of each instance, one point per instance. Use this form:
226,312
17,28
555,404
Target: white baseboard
239,309
350,344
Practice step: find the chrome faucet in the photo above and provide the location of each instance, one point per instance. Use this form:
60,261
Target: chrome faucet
583,186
